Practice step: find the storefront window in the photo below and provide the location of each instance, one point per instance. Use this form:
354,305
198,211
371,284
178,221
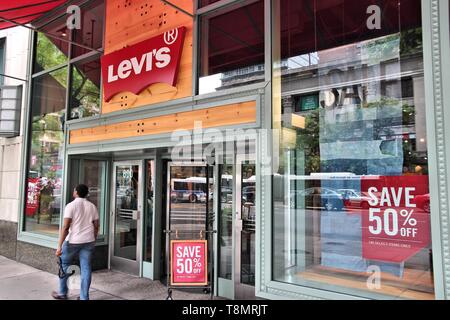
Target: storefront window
351,197
91,32
232,47
50,51
85,89
45,166
95,178
93,174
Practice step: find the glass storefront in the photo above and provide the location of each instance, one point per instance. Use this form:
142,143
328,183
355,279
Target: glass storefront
232,54
92,173
51,52
91,32
126,208
349,210
85,89
351,204
189,199
44,179
55,78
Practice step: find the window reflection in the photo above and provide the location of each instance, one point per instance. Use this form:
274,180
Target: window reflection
95,178
190,191
43,205
232,54
91,32
50,51
85,91
351,192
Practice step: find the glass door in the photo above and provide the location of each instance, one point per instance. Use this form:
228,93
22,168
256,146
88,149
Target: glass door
245,228
190,192
127,208
189,203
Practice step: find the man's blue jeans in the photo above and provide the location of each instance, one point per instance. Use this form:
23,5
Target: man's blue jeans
85,251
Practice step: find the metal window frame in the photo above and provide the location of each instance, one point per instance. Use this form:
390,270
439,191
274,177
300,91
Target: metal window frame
214,6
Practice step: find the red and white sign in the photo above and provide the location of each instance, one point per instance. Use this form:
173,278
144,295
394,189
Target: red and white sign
397,224
188,263
134,68
33,193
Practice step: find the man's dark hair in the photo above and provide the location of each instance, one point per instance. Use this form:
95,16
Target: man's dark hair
82,190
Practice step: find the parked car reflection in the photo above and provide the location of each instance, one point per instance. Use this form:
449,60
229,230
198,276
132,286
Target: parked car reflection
317,198
423,202
354,198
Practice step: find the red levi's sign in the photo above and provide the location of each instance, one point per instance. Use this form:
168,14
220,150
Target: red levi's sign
396,225
135,68
188,263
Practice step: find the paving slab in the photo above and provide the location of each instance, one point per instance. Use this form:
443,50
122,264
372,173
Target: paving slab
10,268
22,282
31,286
134,288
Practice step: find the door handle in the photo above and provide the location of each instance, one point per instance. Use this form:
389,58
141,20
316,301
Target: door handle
136,215
239,224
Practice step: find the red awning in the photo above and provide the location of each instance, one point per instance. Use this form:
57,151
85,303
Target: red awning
24,11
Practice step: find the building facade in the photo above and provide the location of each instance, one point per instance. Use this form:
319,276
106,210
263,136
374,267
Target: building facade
14,56
306,140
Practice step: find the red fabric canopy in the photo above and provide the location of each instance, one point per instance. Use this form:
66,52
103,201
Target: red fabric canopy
24,11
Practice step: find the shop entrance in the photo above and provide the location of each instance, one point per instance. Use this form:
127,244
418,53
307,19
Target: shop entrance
189,199
237,229
245,228
189,204
126,238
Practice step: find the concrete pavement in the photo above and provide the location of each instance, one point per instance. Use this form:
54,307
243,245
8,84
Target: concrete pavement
22,282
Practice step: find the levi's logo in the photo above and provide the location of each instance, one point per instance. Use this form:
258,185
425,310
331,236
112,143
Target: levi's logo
134,68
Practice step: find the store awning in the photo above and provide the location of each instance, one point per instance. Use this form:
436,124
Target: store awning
20,12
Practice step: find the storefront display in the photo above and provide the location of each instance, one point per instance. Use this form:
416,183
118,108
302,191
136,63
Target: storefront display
353,180
295,136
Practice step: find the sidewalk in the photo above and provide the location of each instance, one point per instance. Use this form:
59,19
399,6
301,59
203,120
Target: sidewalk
22,282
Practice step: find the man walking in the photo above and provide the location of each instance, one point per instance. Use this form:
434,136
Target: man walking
77,237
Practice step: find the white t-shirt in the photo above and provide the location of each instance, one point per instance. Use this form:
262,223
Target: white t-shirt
83,213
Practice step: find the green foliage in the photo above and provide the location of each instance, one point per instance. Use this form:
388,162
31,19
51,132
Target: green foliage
411,41
48,54
85,95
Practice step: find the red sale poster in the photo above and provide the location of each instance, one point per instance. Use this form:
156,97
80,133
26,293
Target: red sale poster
397,224
188,263
33,193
